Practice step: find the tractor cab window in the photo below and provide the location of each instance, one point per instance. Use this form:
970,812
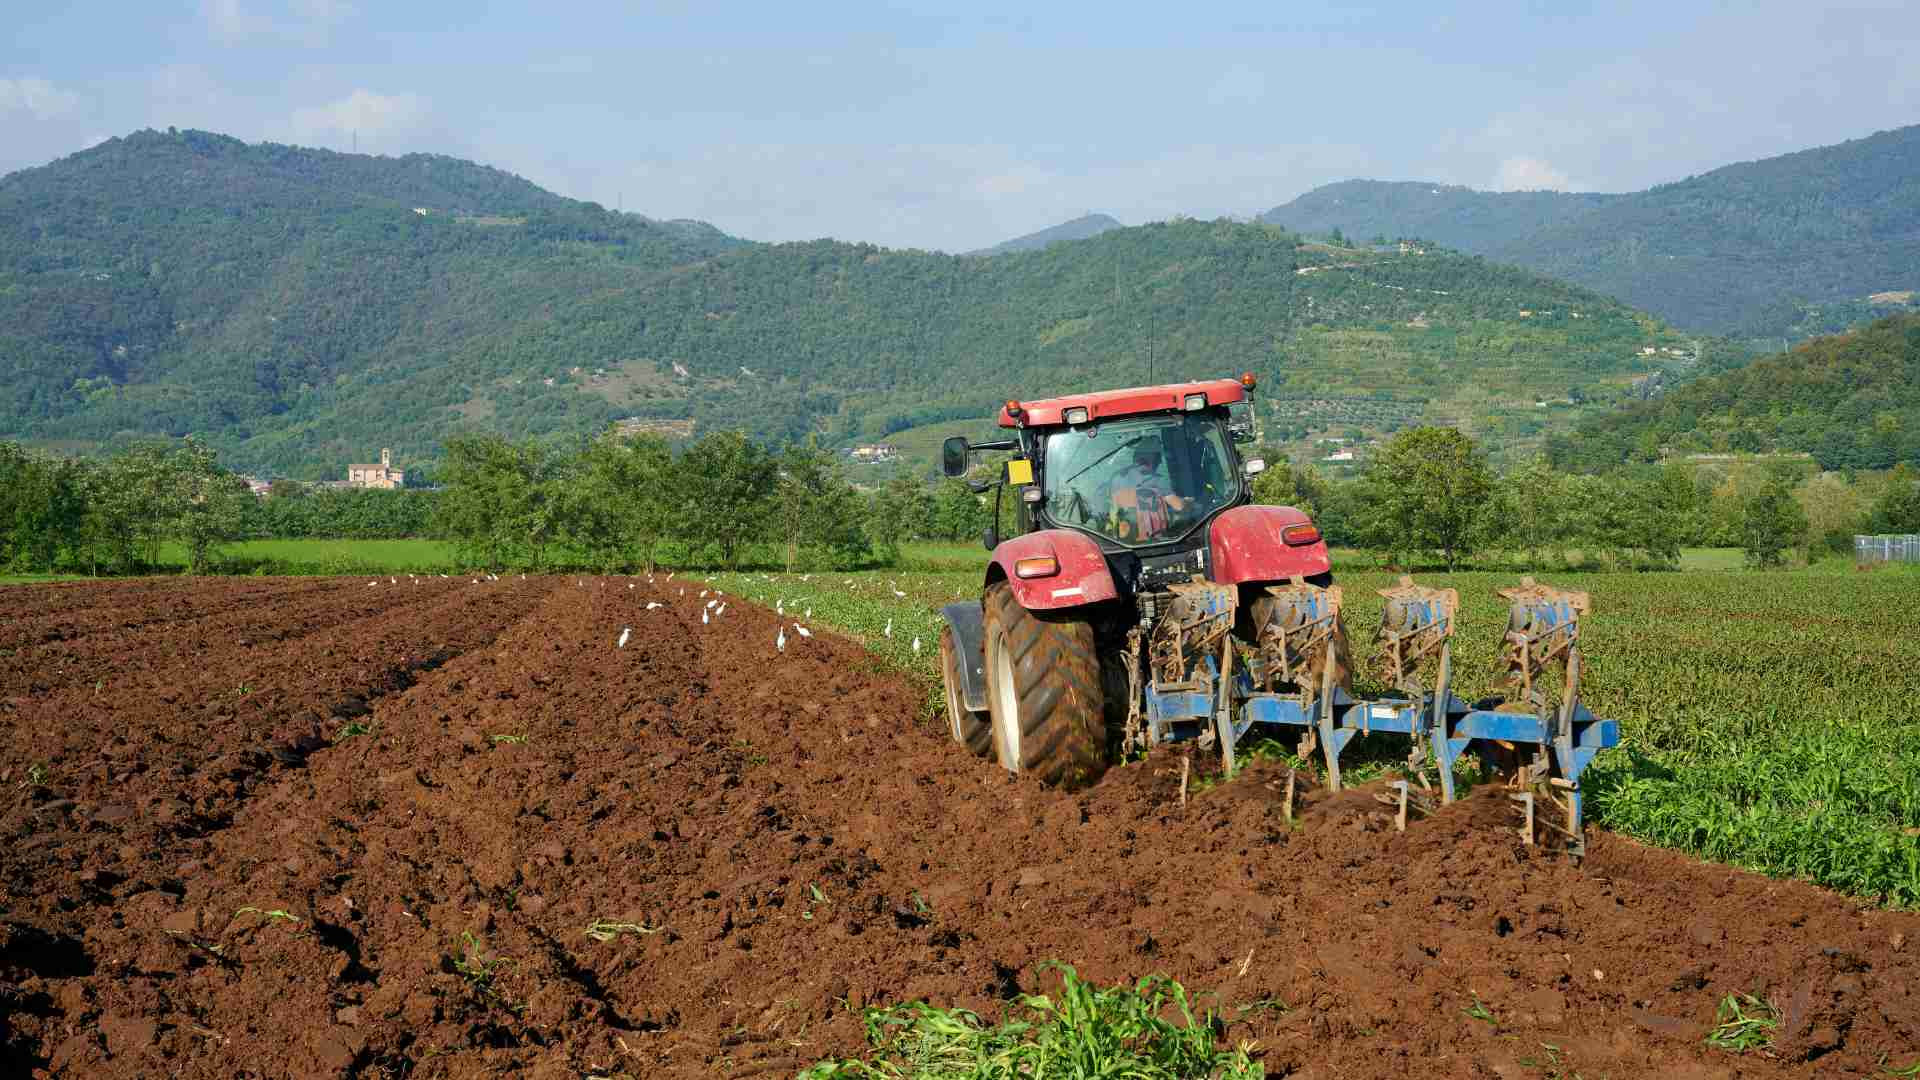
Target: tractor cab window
1141,481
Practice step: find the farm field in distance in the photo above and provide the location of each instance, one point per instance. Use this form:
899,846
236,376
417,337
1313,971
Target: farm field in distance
450,827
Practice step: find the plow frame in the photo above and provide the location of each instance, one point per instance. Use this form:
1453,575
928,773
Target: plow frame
1566,737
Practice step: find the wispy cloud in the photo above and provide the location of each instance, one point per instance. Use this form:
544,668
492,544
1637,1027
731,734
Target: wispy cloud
35,97
1524,173
305,21
363,113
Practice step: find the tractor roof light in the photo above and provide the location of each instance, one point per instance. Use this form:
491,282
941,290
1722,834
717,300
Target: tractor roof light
1013,409
1075,415
1031,494
1247,380
1195,402
1036,566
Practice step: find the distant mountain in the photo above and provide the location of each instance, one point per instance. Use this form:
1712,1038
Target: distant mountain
1080,228
1759,248
1458,217
1851,400
302,309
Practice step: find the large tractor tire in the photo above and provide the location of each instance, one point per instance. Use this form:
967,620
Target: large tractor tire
973,730
1044,693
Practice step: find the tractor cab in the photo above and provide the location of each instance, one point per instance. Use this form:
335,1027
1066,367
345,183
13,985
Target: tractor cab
1134,469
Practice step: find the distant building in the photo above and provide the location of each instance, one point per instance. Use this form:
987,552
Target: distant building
383,475
1342,455
872,453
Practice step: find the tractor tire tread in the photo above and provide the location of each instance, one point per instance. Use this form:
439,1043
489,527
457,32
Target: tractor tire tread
1056,669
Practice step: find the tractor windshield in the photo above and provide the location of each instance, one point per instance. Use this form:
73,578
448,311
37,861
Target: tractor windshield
1141,481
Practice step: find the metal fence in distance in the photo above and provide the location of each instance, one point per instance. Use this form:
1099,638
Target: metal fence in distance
1879,549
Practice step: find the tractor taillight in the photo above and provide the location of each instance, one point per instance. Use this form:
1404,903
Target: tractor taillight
1300,534
1037,566
1196,402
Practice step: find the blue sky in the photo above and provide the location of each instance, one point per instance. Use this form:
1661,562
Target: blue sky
953,128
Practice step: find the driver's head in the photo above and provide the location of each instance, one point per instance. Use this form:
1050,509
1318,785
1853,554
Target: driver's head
1146,456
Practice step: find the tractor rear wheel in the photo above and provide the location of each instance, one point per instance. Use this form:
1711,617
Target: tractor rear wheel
1044,692
973,730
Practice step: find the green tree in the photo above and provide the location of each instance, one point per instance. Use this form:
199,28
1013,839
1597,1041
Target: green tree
494,506
206,505
726,487
1897,510
1772,525
817,512
1426,491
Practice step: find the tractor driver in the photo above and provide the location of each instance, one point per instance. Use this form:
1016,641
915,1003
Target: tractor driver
1142,497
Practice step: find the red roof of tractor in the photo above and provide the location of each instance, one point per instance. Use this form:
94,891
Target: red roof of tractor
1133,401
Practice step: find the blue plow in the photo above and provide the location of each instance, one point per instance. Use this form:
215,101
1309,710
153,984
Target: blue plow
1540,740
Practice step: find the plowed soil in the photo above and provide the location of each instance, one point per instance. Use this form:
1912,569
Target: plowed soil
334,827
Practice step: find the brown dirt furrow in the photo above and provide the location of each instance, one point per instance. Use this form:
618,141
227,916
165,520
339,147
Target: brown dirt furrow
108,799
81,608
142,642
770,840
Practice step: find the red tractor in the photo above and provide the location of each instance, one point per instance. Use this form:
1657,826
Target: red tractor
1148,600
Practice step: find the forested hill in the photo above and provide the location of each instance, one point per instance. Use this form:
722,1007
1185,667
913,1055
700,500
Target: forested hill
1851,400
1457,217
1762,248
296,308
1083,227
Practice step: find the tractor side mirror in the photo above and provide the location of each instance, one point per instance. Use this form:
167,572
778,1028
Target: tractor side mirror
953,456
1254,466
991,538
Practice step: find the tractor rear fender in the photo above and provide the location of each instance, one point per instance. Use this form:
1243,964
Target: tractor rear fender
969,640
1078,574
1249,543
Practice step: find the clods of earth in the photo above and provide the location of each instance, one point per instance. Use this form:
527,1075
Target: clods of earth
449,827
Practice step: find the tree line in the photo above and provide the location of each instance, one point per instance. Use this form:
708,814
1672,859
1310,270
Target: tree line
1429,496
625,503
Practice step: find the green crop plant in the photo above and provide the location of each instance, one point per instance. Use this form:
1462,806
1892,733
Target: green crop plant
472,962
1742,1023
277,914
1083,1031
511,740
603,930
1479,1011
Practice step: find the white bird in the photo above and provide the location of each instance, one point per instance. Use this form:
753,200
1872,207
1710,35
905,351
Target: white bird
916,646
629,585
899,594
371,584
393,581
651,604
703,592
806,577
719,611
683,592
809,613
703,617
625,633
780,607
710,604
804,632
781,641
888,632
